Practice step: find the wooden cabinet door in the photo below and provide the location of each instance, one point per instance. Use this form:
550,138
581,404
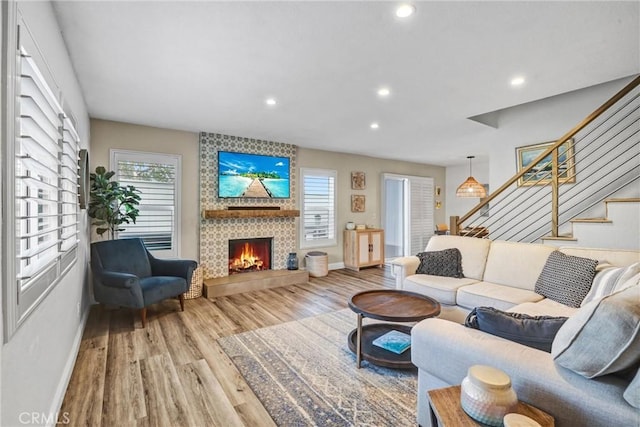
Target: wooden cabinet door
377,245
363,248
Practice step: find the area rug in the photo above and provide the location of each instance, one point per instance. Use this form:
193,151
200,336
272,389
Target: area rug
305,375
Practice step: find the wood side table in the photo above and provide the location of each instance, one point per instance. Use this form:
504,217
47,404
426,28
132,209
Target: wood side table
446,411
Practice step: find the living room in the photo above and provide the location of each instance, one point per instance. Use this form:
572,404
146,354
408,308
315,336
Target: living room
41,345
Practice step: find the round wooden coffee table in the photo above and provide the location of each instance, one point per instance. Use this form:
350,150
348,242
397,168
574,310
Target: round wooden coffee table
393,306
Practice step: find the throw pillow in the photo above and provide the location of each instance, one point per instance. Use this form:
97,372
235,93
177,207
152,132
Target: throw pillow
610,280
602,337
632,393
532,331
447,263
566,279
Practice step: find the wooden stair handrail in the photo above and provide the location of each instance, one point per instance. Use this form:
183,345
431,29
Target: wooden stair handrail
591,117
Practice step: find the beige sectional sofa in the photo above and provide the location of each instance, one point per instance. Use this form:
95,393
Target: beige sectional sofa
503,275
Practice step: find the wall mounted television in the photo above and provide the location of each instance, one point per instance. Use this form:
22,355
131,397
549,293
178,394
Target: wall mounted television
244,175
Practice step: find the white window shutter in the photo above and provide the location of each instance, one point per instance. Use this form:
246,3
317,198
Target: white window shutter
157,177
421,205
318,202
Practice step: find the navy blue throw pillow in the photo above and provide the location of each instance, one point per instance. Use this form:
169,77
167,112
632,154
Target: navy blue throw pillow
532,331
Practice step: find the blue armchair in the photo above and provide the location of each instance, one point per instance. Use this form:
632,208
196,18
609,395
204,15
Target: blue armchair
127,275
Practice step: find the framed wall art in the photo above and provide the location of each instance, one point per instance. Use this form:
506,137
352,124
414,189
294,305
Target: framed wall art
357,203
541,173
358,181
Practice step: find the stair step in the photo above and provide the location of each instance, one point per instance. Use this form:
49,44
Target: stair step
592,220
627,200
564,238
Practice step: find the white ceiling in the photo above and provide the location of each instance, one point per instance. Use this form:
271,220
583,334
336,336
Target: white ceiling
209,66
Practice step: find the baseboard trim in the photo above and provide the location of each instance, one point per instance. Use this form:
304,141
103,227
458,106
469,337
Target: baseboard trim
336,266
68,369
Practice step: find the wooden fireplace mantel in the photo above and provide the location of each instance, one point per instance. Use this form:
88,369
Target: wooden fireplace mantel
250,213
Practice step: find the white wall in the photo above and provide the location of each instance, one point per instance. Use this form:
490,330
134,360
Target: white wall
541,121
39,358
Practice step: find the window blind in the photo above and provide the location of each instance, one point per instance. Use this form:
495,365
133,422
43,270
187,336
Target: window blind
156,176
318,207
421,205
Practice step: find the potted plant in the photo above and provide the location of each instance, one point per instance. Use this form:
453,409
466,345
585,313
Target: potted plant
111,204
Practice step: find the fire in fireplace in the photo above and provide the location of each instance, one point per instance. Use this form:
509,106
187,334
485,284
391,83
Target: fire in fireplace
247,255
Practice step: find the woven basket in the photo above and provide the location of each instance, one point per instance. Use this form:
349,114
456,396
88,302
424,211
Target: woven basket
317,263
195,290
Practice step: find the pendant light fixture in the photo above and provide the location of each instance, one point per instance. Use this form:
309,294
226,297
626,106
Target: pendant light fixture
471,187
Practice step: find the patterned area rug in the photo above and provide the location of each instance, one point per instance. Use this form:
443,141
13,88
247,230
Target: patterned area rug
305,375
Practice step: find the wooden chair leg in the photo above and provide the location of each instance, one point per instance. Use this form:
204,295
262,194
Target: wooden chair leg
181,297
143,314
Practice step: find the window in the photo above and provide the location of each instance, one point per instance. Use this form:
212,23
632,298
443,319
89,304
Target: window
157,176
318,217
42,188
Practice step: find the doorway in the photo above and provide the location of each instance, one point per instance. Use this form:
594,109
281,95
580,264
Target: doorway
408,207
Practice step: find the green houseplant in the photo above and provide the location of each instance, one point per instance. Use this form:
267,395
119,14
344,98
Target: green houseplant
111,204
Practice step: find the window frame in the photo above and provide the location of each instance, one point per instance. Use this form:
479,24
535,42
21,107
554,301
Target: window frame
319,243
116,154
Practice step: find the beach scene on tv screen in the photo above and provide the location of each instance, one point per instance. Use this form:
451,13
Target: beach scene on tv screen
252,175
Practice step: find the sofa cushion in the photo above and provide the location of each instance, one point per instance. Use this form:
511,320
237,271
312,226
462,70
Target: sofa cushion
444,350
515,264
632,393
602,337
492,295
615,257
442,289
544,307
610,280
566,279
446,263
532,331
474,252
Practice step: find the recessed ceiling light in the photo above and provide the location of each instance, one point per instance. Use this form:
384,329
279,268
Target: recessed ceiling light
374,126
270,101
517,81
405,10
384,91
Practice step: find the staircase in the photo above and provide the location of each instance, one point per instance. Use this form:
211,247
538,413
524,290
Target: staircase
559,198
618,229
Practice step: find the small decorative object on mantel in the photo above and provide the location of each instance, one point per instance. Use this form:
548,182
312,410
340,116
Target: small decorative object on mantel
358,181
357,203
350,225
292,261
486,395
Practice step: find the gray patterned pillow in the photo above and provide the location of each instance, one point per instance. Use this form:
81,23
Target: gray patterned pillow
566,279
447,263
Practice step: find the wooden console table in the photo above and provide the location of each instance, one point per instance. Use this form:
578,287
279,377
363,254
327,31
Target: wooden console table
446,411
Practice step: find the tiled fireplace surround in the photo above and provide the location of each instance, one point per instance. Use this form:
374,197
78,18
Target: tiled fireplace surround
215,233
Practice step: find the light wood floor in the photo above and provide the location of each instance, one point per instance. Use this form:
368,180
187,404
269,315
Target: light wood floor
173,373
